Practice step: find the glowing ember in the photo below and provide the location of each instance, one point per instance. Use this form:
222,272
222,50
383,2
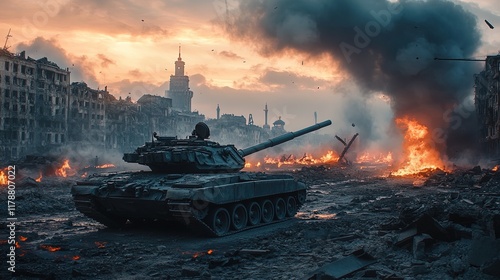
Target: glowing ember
22,238
75,258
3,177
18,245
248,165
495,169
39,179
65,170
418,152
209,252
107,165
100,245
50,248
84,175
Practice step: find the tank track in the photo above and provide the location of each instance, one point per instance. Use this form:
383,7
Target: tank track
87,205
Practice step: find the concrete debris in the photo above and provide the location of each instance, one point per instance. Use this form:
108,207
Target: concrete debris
343,267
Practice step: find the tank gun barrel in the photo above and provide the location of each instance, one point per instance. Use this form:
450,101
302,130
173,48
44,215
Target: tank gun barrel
282,138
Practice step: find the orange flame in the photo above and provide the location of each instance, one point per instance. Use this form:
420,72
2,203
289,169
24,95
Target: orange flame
75,258
100,245
375,158
84,175
3,177
18,245
65,169
39,179
107,165
306,159
495,169
209,252
22,238
418,152
50,248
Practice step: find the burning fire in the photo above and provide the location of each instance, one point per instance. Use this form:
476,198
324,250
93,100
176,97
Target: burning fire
75,258
306,159
495,169
107,165
3,177
418,152
84,175
199,254
39,179
50,248
65,170
22,238
375,158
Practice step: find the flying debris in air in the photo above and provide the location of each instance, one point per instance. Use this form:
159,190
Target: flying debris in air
489,24
353,125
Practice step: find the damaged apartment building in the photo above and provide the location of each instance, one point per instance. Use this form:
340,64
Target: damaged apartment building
487,100
42,111
33,99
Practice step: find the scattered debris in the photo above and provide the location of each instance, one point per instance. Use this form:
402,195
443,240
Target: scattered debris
338,269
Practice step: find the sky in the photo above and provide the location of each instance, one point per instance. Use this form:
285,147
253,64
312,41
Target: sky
130,46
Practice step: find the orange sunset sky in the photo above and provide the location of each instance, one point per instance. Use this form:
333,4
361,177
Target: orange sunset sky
130,46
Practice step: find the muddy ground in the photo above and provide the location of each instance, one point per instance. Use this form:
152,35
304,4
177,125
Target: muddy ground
347,209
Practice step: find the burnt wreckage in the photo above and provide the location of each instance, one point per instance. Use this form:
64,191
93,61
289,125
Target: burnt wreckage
196,182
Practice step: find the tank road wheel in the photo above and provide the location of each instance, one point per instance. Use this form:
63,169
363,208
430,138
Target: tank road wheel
253,214
267,211
291,206
301,196
220,221
279,208
239,217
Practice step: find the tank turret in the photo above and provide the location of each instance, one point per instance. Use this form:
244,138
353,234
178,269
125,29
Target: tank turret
198,155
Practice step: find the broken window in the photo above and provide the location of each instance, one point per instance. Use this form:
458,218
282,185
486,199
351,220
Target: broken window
49,138
15,68
7,93
6,66
57,138
23,136
14,107
23,108
7,80
23,69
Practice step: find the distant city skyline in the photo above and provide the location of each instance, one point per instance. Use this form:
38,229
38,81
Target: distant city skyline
131,48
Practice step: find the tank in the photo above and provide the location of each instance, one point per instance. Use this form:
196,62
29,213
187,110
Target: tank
195,181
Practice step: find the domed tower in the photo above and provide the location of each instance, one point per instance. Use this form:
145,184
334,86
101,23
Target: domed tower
179,90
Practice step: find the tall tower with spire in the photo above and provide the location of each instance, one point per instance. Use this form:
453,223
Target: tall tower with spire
179,90
266,125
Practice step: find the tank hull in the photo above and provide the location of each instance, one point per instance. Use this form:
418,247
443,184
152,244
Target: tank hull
217,204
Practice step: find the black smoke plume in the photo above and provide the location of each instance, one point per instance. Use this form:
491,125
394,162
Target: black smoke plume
385,45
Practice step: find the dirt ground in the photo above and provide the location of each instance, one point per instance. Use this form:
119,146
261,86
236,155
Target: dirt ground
455,218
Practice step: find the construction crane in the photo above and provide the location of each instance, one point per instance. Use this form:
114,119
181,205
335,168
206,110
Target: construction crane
7,39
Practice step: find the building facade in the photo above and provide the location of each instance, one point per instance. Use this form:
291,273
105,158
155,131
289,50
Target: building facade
487,101
33,98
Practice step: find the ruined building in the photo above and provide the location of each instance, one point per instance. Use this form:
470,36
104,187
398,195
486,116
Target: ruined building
33,98
87,123
487,90
179,90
